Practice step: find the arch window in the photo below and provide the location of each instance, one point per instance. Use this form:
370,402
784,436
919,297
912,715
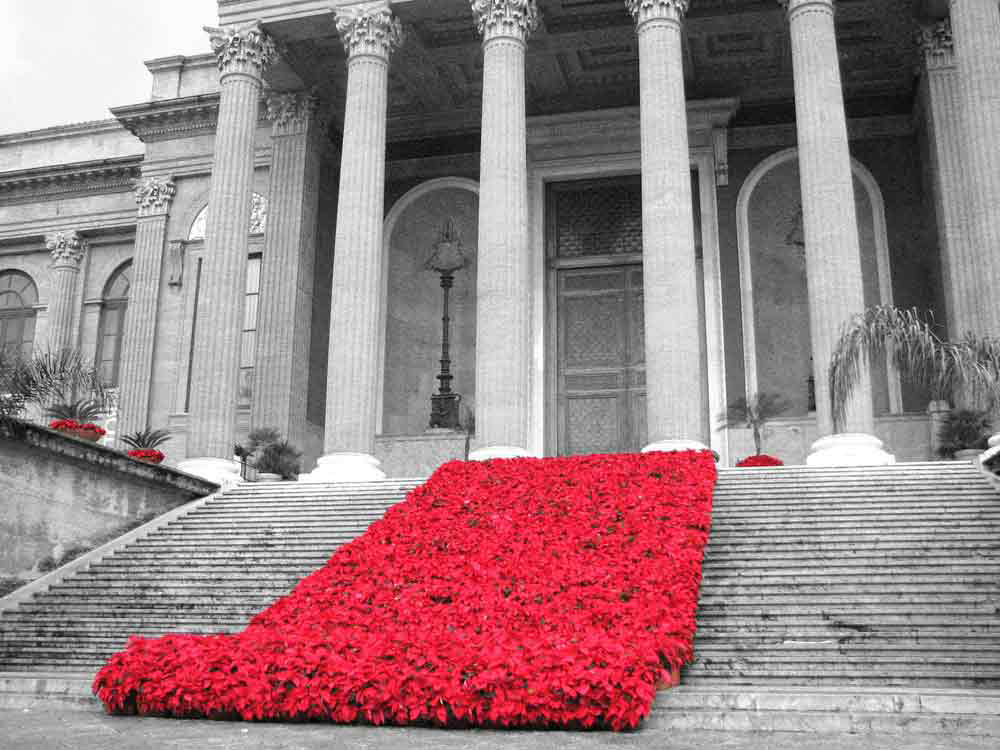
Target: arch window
18,297
258,219
114,306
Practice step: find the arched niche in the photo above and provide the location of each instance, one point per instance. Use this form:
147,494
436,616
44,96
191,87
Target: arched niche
776,340
412,300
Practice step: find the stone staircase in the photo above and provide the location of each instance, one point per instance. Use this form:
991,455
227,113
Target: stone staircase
840,600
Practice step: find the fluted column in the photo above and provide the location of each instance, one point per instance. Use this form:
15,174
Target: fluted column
154,196
675,407
833,251
942,107
503,289
976,28
286,288
67,250
243,53
352,375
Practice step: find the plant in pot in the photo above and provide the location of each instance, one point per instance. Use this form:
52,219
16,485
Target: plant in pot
966,371
46,381
754,413
272,455
144,445
963,434
76,418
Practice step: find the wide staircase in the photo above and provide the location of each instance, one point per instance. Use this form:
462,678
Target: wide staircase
858,600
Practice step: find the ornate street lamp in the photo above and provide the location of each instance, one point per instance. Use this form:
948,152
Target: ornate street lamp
446,259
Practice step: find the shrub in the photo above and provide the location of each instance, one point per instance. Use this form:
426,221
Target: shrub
963,429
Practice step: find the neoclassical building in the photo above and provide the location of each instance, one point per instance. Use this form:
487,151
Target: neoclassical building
647,208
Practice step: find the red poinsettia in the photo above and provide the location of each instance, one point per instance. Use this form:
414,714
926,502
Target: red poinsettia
148,455
73,425
761,459
523,592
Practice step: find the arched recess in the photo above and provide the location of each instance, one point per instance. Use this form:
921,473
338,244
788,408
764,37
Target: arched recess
111,326
258,219
392,222
881,252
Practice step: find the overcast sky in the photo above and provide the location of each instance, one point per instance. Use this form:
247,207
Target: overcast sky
64,61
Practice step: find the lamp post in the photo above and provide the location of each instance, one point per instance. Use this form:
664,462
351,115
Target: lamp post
446,259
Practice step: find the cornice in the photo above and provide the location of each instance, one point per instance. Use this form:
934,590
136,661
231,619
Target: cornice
170,118
91,177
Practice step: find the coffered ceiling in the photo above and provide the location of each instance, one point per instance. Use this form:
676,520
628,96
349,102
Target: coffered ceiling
585,56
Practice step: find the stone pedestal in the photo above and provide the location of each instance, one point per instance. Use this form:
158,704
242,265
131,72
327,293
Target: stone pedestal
243,54
937,411
833,254
352,376
154,196
976,29
281,377
503,287
675,406
67,250
941,98
225,473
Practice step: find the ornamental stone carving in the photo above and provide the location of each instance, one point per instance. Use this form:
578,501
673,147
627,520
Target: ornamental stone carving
67,249
793,5
650,10
291,111
937,43
243,49
516,18
154,195
373,32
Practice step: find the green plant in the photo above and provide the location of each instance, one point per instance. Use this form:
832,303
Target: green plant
46,380
970,366
754,413
146,439
82,410
270,453
963,429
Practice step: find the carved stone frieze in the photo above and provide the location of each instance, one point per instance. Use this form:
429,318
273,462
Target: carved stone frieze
154,195
937,44
373,32
516,18
291,111
650,10
66,248
243,49
92,178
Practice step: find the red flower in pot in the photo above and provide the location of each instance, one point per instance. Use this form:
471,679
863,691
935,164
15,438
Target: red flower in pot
144,444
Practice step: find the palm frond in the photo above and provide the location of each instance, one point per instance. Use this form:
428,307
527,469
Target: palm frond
146,439
970,366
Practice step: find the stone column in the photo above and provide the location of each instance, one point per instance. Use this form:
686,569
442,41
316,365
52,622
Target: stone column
244,54
833,252
352,376
154,196
976,28
281,374
503,287
675,406
67,250
942,108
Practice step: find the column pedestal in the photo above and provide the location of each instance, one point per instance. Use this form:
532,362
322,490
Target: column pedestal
225,473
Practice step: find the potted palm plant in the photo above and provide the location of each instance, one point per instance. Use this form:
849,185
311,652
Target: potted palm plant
963,434
754,413
144,445
966,371
271,455
76,418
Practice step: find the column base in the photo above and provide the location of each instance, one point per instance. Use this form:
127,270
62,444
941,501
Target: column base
344,467
224,472
989,462
498,451
849,449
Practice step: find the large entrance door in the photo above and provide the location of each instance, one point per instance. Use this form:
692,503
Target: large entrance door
601,362
595,253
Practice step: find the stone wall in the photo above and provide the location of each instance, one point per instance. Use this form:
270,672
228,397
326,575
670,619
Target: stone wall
57,492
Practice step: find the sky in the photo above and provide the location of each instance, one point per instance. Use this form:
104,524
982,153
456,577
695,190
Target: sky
64,61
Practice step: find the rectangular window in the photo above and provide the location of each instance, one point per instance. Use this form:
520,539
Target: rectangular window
248,342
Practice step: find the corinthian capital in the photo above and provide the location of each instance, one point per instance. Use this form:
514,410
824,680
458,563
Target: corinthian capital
243,49
937,44
651,10
154,195
516,18
369,32
66,248
291,111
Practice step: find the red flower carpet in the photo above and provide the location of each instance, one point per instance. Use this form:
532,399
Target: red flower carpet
522,592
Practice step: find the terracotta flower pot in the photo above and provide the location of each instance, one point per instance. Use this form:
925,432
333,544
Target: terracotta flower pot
147,456
91,436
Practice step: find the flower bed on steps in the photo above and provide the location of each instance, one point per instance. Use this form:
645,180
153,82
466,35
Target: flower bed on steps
521,592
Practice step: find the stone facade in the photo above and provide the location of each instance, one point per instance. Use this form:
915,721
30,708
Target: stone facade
812,175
